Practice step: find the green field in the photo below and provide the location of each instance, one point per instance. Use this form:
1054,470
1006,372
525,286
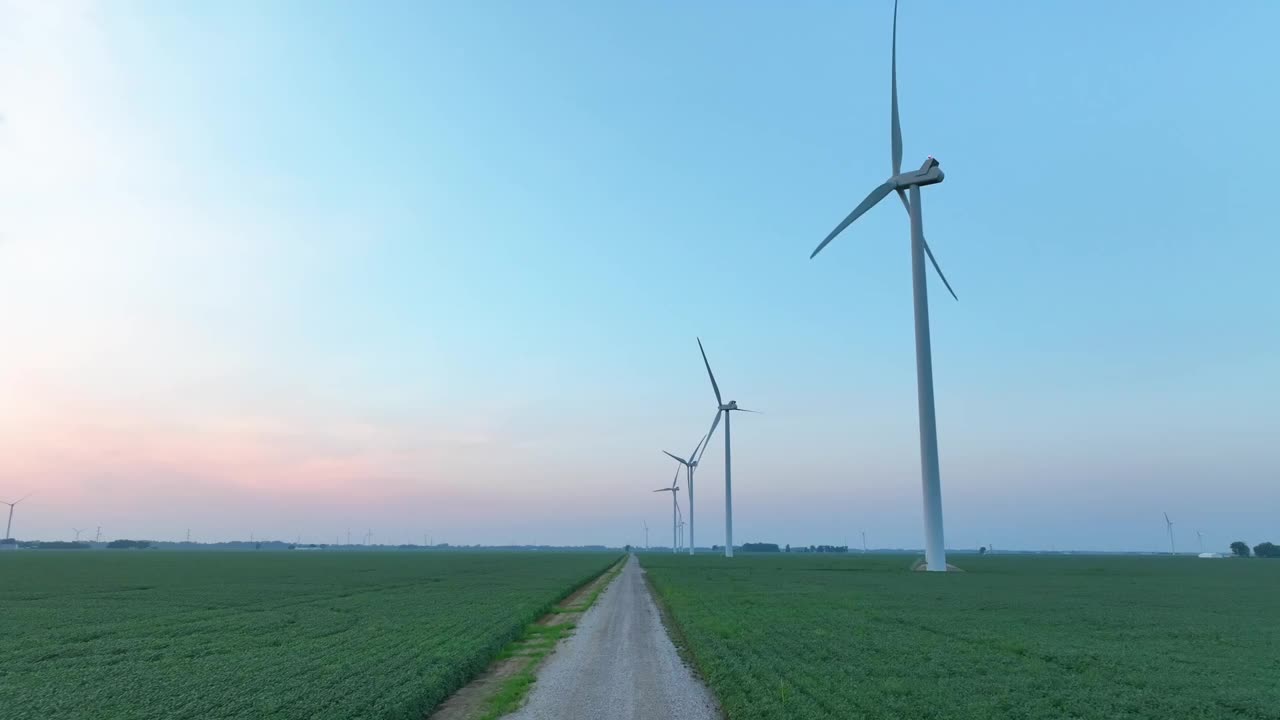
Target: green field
105,635
790,636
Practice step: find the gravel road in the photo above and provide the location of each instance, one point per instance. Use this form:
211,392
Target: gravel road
619,664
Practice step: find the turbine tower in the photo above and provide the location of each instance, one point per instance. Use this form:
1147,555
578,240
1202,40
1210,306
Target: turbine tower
908,184
646,534
1200,538
689,466
725,408
1169,526
674,510
8,528
77,532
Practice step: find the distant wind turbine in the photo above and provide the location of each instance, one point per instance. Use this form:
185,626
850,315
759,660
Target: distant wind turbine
674,490
77,531
864,542
904,183
1169,526
689,466
725,408
1200,537
8,528
680,514
646,534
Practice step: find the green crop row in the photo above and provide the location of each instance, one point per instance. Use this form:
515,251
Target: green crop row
257,635
786,636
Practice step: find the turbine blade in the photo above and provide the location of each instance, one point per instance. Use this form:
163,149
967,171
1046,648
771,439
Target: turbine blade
710,374
710,432
896,138
869,202
756,412
693,456
902,195
680,460
675,479
929,252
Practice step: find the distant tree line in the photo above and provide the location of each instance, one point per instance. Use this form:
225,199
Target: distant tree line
1263,550
129,544
819,549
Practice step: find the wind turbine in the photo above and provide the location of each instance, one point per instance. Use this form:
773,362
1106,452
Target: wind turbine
679,523
1200,538
689,466
725,408
904,184
9,527
77,532
1169,526
864,542
646,534
674,490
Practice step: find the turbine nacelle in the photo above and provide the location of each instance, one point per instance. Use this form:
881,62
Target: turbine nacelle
731,405
930,173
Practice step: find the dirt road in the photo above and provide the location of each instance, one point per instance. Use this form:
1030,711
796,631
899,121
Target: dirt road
619,665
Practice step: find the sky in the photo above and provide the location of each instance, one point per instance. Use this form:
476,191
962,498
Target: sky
298,268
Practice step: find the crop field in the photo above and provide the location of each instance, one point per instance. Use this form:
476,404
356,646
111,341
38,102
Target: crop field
789,636
144,635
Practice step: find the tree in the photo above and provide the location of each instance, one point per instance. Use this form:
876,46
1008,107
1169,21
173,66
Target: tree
982,550
788,547
1266,550
62,545
1240,549
759,547
627,548
129,544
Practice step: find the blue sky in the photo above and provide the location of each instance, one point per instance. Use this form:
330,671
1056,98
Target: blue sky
294,267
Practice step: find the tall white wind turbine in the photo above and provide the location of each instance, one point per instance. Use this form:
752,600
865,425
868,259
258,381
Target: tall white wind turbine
904,184
689,466
646,534
8,528
725,408
1169,526
1200,539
